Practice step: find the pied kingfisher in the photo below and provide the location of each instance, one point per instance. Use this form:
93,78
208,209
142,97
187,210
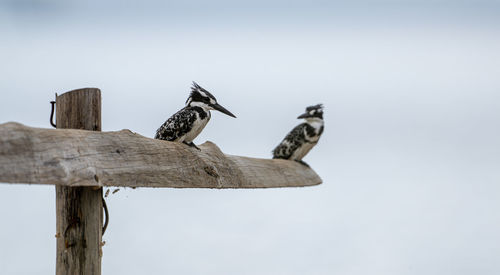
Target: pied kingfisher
303,137
185,125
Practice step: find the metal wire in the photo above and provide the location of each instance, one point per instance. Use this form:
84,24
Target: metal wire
53,103
106,214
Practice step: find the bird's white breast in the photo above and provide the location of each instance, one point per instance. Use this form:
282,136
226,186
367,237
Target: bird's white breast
302,150
317,124
198,126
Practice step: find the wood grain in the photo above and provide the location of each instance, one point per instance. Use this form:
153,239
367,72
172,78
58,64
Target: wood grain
79,209
123,158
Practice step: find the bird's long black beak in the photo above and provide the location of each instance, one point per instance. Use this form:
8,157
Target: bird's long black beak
304,115
221,109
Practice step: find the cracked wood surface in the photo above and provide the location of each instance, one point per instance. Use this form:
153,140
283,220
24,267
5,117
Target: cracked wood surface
87,158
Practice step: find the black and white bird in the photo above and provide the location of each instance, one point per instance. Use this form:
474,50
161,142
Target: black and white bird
303,137
185,125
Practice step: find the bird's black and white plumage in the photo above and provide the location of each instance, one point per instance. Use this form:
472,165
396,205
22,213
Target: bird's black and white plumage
303,137
185,125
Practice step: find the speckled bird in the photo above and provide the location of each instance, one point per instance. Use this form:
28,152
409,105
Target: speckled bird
185,125
303,137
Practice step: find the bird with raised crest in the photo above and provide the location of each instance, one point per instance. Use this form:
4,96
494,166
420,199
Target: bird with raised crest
303,137
185,125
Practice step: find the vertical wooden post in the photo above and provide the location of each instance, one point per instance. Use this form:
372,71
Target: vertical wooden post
79,209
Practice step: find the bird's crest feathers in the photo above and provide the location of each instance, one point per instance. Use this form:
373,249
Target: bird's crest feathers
318,108
199,94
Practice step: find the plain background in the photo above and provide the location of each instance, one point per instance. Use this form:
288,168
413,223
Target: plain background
409,157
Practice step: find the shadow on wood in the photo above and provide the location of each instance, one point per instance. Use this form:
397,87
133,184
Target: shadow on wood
87,158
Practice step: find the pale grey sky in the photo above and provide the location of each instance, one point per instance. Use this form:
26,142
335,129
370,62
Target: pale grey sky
409,157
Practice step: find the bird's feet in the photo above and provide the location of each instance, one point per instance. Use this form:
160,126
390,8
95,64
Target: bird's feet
191,144
303,163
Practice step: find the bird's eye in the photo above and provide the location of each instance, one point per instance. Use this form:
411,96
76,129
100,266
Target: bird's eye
210,101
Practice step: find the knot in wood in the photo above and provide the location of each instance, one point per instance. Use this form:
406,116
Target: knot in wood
211,171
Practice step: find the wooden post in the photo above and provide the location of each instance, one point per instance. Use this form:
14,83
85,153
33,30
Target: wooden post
79,209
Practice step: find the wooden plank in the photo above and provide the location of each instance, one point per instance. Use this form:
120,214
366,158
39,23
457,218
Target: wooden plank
79,209
123,158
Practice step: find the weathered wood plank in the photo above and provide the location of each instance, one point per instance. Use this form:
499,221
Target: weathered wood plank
86,158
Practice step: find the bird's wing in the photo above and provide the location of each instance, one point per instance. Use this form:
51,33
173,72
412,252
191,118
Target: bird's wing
177,125
290,143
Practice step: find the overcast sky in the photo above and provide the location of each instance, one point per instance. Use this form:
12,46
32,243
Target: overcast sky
409,158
